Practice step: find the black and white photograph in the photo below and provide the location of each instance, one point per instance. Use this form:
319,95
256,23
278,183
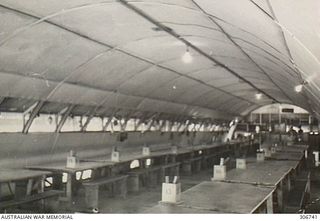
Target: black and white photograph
153,107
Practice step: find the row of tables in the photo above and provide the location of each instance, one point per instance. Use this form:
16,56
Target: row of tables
101,167
261,188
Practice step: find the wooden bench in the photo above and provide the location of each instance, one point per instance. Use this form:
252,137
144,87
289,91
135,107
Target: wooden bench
191,165
30,198
92,188
144,177
300,194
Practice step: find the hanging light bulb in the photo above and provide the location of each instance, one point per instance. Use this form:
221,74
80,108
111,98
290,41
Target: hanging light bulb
298,88
258,96
187,57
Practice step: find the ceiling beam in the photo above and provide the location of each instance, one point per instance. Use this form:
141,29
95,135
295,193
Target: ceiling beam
34,112
2,100
64,118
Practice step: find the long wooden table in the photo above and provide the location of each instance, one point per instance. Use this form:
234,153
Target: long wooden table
273,173
99,169
29,185
269,172
12,175
218,197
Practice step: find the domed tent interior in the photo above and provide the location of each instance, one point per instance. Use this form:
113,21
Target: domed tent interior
159,106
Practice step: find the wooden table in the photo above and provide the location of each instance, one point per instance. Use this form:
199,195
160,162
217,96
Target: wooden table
12,175
99,169
130,156
29,185
273,173
226,197
192,165
143,177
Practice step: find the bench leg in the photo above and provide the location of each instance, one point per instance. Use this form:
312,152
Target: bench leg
92,196
186,168
21,189
133,183
123,188
198,166
57,182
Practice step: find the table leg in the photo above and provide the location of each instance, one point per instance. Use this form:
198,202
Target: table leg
69,186
289,183
270,204
29,187
280,196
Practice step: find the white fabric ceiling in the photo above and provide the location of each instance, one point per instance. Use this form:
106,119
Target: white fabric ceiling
126,55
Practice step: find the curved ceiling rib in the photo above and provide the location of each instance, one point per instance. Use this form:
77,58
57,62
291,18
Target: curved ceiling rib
207,27
275,19
110,48
248,56
245,53
220,29
177,36
124,58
